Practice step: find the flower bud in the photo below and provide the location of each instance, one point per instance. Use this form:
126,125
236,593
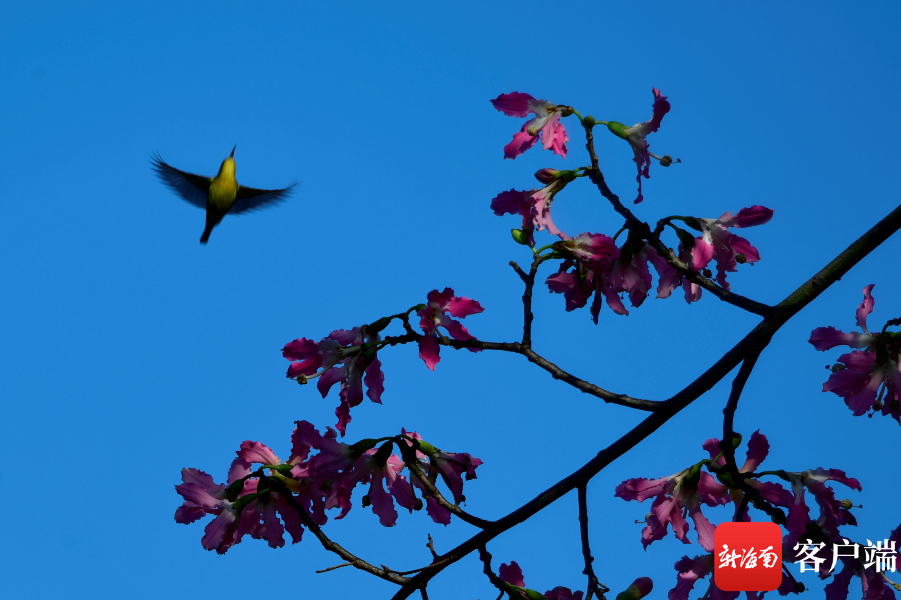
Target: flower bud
418,504
617,129
527,593
362,446
588,121
234,490
725,479
427,448
245,500
282,469
376,327
546,176
667,160
520,237
565,111
640,588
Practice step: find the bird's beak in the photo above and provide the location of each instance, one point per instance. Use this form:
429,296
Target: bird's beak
233,150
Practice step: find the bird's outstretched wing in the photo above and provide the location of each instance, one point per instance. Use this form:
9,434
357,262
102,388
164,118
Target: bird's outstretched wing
192,188
249,198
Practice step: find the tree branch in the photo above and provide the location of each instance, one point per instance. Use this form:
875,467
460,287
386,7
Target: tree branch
643,229
593,584
527,316
331,546
442,502
756,339
556,372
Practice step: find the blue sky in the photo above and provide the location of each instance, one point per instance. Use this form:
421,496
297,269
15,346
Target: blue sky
129,351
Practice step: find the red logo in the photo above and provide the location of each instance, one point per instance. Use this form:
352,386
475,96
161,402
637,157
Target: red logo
747,557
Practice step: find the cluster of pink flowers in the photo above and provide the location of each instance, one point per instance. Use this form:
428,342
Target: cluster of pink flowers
547,125
873,585
598,267
349,356
682,494
601,268
339,358
265,506
868,377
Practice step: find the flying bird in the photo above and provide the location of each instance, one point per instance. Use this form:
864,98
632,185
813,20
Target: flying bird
219,195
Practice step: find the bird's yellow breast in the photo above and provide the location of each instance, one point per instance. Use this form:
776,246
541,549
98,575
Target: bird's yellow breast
224,186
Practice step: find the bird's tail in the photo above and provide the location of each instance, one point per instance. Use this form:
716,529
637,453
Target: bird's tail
206,233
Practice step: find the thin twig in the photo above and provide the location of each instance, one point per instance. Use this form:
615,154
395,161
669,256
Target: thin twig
431,566
328,544
347,564
431,546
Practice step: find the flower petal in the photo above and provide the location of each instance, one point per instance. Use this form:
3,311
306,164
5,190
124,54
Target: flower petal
866,307
512,574
428,350
516,104
826,338
521,142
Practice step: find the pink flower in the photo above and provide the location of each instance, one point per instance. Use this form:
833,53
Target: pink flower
600,270
252,511
594,250
381,471
546,123
433,316
534,206
512,575
690,570
728,249
577,287
356,367
636,135
594,255
634,277
832,513
869,378
675,496
450,466
873,584
758,448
